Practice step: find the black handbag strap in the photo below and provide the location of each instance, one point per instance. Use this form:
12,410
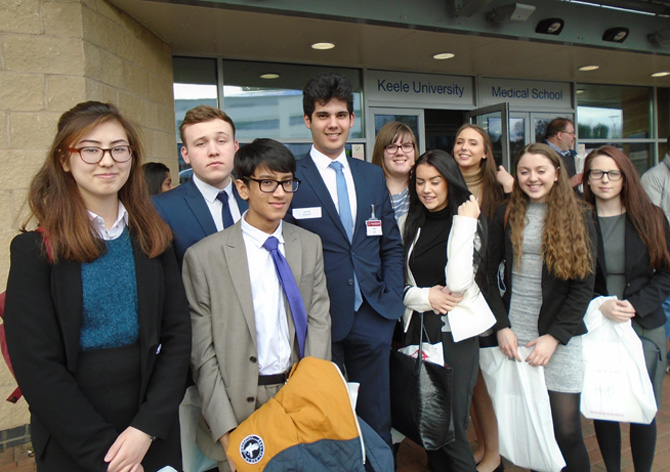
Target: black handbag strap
419,354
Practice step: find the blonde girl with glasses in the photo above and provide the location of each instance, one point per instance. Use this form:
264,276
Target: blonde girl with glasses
96,317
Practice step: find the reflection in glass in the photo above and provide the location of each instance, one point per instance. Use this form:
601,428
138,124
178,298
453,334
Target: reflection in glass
640,153
540,127
517,127
273,108
194,84
613,112
663,100
492,123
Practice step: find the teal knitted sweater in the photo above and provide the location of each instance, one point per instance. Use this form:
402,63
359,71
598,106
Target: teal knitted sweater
109,289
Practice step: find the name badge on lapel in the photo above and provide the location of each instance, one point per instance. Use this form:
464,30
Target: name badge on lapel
373,225
306,213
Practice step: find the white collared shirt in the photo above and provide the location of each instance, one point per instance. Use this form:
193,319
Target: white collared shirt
117,228
272,333
329,177
209,192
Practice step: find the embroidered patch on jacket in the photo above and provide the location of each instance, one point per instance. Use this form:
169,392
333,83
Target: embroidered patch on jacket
252,449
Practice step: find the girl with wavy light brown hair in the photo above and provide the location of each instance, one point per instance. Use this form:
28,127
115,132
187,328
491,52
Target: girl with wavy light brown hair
96,318
547,239
634,265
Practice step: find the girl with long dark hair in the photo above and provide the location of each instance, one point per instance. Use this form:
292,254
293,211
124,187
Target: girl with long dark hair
157,176
440,274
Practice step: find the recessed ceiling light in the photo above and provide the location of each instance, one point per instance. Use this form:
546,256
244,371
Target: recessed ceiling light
616,35
269,76
661,74
441,56
589,68
323,46
550,26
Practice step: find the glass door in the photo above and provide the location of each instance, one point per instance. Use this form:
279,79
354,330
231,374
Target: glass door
495,120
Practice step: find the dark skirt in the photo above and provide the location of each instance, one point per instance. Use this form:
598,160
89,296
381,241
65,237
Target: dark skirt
111,381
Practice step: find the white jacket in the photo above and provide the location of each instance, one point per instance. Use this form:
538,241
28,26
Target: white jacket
459,275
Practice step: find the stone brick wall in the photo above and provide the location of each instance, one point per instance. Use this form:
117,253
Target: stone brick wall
53,55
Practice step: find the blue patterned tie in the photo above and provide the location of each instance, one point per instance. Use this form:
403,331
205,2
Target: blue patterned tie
347,221
291,290
226,217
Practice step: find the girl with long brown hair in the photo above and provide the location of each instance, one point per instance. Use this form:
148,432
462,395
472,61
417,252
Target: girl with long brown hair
634,265
473,152
547,239
96,317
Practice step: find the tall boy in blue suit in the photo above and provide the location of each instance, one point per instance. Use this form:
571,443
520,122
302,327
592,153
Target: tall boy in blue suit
346,202
208,202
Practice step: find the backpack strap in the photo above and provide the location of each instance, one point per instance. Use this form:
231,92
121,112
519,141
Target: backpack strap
17,394
47,244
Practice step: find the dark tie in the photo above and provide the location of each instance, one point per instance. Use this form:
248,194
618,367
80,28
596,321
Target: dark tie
347,220
226,217
291,291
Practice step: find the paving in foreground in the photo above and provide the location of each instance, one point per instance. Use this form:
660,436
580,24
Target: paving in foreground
412,458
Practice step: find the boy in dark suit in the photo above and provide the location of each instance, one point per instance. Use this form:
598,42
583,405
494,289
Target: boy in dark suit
208,202
346,202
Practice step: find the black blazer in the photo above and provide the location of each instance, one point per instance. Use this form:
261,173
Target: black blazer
43,323
564,302
646,288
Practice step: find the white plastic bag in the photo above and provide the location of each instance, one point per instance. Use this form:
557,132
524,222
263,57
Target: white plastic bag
521,403
430,352
193,459
616,382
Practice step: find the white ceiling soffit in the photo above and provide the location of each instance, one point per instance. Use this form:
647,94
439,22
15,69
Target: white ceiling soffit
407,37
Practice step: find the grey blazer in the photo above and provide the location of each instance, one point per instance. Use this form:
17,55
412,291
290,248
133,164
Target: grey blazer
224,354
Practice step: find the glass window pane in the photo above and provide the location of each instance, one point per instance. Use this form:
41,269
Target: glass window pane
517,132
412,121
272,108
640,153
194,84
663,96
492,123
613,111
542,120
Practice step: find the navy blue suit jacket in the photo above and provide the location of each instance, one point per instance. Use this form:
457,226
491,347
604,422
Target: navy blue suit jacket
186,211
376,260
